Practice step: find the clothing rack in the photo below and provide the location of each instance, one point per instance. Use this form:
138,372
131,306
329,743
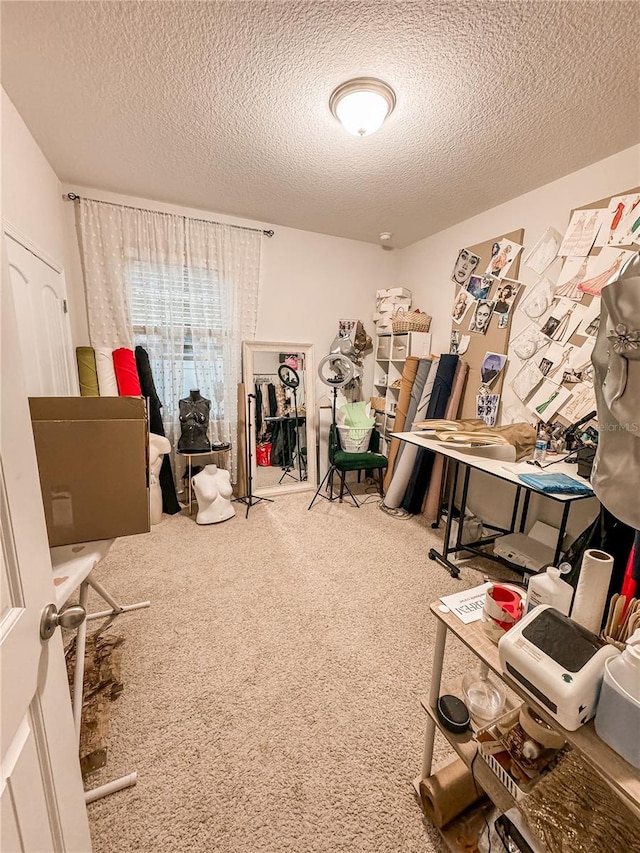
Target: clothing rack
260,378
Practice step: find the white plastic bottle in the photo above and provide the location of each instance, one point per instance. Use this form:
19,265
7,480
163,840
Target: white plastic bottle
549,588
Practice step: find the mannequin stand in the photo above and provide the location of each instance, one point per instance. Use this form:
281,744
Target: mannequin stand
249,499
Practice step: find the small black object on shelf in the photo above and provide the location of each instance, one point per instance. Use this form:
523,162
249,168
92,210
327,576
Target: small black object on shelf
453,713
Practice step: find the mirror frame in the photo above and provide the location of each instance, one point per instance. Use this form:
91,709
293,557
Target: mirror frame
248,349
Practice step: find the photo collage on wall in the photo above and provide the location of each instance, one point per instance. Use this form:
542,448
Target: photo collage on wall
484,299
555,378
483,295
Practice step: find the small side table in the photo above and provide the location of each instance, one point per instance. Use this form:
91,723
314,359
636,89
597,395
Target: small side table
216,451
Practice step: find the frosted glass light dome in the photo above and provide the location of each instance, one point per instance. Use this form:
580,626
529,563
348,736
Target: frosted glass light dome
362,105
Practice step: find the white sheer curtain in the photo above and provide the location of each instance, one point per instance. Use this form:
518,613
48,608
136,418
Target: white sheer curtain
186,290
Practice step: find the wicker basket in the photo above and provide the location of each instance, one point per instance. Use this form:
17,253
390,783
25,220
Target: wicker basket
354,439
410,321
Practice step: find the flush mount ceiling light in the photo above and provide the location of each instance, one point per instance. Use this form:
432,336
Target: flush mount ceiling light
362,105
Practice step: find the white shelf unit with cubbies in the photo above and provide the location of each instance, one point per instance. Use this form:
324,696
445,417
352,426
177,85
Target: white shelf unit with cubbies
390,355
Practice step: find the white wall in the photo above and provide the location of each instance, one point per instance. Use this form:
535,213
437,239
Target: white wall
31,191
308,281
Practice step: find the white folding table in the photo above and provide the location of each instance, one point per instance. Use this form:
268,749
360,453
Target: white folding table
506,471
74,566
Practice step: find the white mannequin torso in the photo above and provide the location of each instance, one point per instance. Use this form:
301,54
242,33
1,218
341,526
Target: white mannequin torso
213,492
158,446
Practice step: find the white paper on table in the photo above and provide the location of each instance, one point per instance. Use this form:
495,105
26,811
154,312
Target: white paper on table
544,252
581,233
551,393
468,604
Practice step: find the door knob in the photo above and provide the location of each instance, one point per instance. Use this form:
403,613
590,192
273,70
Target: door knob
70,617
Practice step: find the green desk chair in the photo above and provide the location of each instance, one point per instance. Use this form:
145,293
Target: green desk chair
343,461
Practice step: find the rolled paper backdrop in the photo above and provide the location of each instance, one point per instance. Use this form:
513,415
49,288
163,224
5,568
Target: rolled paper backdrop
107,382
432,498
124,363
87,371
407,453
591,592
447,793
404,397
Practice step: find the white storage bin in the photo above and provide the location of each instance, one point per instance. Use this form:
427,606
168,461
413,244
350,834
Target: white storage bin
618,715
354,439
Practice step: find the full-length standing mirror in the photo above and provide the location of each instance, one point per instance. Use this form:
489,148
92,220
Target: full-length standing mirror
279,380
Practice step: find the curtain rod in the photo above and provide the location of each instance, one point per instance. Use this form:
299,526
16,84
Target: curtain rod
76,197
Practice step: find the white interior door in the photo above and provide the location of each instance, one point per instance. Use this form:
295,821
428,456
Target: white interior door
42,798
39,296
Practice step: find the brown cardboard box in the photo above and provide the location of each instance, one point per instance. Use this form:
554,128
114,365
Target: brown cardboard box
93,461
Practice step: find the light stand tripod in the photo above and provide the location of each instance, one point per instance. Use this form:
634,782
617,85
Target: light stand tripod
249,499
289,377
343,371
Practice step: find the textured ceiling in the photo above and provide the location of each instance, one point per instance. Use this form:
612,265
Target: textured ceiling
224,105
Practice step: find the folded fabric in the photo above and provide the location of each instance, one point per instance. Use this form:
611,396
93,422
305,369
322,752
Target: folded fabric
124,363
107,382
471,437
521,435
87,372
558,484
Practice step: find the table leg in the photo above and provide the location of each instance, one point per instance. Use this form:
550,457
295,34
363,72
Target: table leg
434,693
562,531
516,504
189,481
525,510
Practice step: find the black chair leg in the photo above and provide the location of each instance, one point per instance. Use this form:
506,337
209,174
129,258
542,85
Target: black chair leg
343,474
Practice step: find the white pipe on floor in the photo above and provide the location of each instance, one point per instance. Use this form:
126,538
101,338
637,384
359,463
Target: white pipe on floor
111,787
124,609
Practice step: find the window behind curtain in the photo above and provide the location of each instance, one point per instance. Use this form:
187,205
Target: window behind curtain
171,308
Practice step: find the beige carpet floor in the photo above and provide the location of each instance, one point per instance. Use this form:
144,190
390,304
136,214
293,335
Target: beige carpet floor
272,690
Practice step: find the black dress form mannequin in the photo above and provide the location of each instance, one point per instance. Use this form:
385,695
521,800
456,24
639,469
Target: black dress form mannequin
194,417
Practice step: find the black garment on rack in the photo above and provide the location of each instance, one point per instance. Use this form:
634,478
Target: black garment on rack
258,408
273,403
170,503
437,408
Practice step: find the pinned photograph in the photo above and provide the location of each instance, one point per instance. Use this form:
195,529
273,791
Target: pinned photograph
463,346
562,320
551,357
583,401
492,366
505,296
527,342
526,381
463,301
480,286
466,264
590,323
537,299
574,271
618,222
503,254
487,408
547,400
544,252
604,267
481,317
581,233
454,341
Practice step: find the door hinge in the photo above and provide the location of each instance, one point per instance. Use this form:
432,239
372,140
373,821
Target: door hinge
65,307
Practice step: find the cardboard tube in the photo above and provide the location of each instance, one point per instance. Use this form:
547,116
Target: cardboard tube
447,793
591,592
404,398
